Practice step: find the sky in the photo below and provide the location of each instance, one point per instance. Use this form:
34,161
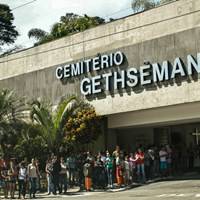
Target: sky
44,13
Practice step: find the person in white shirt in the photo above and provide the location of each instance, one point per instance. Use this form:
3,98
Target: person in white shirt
22,177
48,170
32,175
163,161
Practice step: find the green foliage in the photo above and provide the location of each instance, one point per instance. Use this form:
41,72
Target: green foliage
84,126
31,144
141,5
41,115
6,101
50,123
37,33
64,111
8,33
8,134
68,24
12,114
12,108
72,122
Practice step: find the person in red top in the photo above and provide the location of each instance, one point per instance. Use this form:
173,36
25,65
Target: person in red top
139,160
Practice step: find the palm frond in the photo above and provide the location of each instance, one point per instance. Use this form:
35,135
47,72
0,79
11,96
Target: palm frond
64,110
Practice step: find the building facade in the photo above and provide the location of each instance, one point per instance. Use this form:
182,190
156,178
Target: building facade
141,72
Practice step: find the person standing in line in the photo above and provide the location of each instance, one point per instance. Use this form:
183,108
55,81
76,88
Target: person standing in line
5,178
151,154
71,164
156,168
80,162
109,169
119,173
87,171
33,174
132,166
163,161
103,157
12,172
169,160
22,177
98,175
56,174
147,164
38,185
63,176
116,151
139,158
114,155
127,171
48,170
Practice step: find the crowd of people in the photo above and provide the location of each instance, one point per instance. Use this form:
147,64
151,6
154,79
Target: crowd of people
101,171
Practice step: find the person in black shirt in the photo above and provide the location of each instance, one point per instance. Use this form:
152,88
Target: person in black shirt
55,174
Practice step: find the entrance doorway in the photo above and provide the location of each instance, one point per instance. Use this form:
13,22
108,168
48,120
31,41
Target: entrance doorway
183,138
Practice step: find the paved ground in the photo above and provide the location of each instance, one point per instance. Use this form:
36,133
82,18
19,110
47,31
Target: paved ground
162,190
183,189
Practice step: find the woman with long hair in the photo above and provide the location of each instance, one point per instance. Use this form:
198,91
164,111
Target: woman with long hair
12,173
48,170
139,159
5,178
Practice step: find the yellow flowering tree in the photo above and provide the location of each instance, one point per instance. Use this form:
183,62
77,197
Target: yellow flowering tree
84,126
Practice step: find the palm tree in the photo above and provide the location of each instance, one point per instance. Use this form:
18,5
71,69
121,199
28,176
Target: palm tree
31,144
68,24
140,5
12,108
13,112
37,34
51,124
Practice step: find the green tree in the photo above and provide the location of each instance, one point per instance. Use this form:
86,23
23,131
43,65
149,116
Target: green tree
51,124
84,126
68,24
12,115
141,5
37,34
8,32
30,145
12,108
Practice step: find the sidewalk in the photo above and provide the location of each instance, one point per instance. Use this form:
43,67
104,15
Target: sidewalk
75,191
